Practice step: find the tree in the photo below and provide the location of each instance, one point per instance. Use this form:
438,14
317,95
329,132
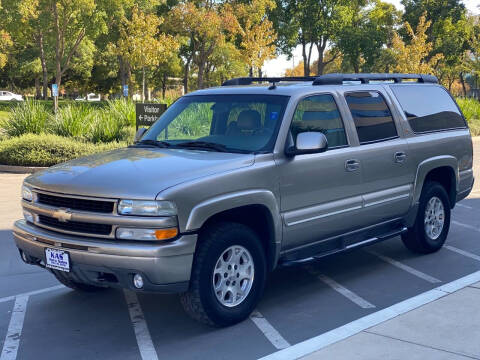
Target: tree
369,30
142,45
73,22
256,32
414,56
5,44
205,26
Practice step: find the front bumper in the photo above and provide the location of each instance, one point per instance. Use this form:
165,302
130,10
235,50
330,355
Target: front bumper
165,267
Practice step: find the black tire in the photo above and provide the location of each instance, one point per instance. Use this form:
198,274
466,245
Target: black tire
417,239
200,301
74,285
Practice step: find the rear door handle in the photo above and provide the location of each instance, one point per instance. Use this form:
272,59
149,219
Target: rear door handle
352,165
400,157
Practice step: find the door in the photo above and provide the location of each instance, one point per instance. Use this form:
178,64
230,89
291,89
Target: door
387,168
319,191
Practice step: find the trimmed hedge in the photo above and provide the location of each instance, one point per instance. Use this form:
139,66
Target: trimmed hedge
47,150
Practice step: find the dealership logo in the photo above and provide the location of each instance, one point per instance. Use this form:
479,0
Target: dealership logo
62,215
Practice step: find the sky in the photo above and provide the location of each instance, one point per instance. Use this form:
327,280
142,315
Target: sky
277,67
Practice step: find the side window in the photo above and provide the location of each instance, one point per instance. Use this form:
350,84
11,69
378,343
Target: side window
428,108
371,115
319,113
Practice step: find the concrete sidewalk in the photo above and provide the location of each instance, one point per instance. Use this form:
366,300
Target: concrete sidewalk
447,328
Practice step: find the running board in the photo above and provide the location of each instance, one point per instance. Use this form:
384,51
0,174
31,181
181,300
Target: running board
353,246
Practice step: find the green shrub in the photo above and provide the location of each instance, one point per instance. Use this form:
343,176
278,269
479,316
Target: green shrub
46,150
73,121
122,110
471,111
27,117
105,128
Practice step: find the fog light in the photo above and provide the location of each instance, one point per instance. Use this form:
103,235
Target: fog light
138,281
28,216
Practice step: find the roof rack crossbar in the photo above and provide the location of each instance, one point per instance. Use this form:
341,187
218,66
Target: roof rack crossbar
338,79
335,79
250,80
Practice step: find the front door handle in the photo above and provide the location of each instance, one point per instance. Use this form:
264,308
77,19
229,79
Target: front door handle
400,157
352,165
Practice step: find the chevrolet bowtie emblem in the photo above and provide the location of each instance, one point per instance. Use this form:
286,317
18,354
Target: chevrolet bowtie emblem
62,215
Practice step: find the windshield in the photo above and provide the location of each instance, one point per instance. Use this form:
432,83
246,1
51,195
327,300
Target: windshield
229,123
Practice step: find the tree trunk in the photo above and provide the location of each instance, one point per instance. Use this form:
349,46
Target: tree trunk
260,74
44,67
143,84
306,66
164,85
201,71
321,55
186,70
37,88
464,88
58,44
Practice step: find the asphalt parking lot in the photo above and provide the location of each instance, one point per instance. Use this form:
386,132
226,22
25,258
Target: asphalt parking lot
39,319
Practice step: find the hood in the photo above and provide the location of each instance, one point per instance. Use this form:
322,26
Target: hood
137,173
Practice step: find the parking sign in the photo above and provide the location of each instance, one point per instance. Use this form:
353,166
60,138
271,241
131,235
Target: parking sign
54,90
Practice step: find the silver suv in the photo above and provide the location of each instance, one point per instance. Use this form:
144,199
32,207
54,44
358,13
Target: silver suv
231,182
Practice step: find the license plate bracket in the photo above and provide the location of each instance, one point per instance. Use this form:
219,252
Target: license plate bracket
57,259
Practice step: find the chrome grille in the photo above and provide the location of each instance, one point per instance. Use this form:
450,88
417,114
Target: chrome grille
75,226
98,206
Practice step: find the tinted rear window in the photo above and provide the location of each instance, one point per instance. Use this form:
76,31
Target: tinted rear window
428,108
371,115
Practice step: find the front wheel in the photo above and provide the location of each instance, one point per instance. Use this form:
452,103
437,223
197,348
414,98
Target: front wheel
228,275
430,230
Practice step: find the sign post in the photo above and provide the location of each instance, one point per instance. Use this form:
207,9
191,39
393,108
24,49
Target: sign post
147,114
55,97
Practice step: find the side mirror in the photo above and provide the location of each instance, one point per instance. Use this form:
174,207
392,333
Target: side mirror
308,143
139,134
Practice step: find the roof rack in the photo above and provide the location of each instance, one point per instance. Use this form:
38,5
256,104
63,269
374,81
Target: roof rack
250,80
336,79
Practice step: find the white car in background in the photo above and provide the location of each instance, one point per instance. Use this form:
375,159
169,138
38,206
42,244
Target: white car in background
89,97
9,96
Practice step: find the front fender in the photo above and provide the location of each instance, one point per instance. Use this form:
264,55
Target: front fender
208,208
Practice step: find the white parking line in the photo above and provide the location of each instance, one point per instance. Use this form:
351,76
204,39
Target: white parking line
144,340
12,340
471,227
404,267
269,331
465,206
462,252
321,341
350,295
30,293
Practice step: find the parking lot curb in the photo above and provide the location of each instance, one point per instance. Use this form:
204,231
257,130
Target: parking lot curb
320,342
20,169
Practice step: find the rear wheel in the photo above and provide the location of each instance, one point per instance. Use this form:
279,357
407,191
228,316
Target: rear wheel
228,275
65,280
430,230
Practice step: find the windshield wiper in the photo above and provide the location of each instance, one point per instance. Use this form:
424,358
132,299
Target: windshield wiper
202,145
148,142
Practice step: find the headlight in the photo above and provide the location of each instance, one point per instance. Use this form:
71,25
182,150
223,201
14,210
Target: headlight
146,208
27,193
146,234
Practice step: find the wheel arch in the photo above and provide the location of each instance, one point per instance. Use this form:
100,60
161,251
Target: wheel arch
257,209
442,169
